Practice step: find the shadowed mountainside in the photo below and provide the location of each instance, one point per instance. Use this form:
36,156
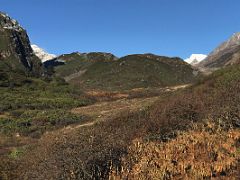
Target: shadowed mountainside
16,56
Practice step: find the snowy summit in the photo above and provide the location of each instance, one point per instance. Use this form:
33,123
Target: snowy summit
42,54
194,59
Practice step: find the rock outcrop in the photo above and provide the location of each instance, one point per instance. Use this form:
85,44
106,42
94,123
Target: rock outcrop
228,53
16,53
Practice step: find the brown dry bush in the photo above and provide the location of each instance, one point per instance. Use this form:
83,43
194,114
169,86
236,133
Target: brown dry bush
192,155
216,98
83,154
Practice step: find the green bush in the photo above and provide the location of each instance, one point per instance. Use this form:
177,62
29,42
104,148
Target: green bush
38,106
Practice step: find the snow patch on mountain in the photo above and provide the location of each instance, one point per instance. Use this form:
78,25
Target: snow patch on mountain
42,54
194,59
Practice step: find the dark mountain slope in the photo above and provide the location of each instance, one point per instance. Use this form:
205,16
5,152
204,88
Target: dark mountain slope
16,55
76,62
133,71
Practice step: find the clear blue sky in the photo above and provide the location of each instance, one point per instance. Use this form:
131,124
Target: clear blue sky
164,27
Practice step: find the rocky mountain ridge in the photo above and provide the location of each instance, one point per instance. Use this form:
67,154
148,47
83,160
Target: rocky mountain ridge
15,50
230,43
92,56
228,53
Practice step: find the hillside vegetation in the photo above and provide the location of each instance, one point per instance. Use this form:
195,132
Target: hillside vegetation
133,71
201,117
199,138
37,105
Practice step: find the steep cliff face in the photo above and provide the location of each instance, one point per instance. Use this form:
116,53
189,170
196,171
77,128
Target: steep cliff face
16,53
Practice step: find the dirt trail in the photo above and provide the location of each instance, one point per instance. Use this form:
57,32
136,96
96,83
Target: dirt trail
105,110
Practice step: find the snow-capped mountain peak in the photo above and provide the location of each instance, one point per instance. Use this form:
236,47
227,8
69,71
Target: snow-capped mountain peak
42,54
194,59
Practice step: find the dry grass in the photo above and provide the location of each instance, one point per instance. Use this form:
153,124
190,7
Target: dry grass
106,95
101,95
113,109
193,155
8,143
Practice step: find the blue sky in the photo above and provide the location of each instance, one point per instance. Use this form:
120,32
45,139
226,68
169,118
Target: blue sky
163,27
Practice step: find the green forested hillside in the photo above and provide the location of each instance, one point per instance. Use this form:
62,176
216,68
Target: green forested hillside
133,71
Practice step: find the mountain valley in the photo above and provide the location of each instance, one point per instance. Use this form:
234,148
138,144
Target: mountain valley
98,116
